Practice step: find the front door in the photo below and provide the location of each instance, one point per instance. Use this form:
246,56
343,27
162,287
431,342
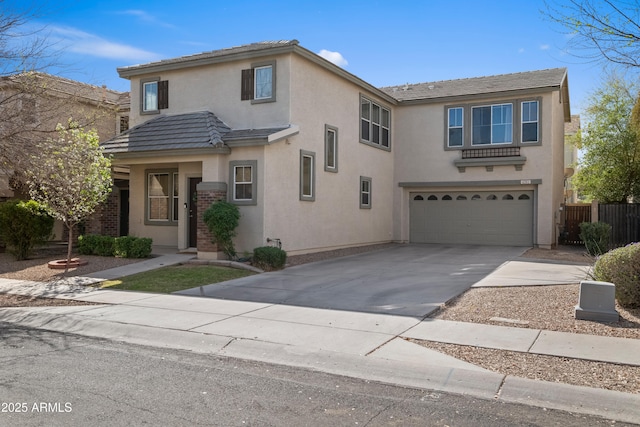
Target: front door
193,211
124,212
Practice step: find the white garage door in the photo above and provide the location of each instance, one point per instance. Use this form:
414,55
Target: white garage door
480,217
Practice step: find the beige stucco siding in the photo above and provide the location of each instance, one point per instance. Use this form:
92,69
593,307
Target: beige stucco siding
334,219
420,156
216,88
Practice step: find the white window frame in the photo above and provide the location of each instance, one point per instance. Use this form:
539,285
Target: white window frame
492,108
450,127
536,121
232,196
260,87
145,104
365,190
380,125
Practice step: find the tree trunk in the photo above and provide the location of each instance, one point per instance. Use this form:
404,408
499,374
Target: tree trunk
69,246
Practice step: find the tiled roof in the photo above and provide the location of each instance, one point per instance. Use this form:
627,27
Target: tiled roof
550,78
180,132
248,48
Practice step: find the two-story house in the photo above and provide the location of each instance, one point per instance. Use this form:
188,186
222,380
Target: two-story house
320,159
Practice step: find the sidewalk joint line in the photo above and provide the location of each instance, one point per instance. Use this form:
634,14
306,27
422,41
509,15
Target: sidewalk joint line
534,341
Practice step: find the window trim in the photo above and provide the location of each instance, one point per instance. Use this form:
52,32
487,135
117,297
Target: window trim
312,176
371,123
368,180
516,123
173,216
537,122
249,93
143,84
449,127
492,107
254,182
328,129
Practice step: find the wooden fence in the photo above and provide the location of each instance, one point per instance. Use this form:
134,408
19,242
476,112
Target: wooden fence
575,214
624,220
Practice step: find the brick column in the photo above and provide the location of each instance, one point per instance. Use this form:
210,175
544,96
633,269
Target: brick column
208,192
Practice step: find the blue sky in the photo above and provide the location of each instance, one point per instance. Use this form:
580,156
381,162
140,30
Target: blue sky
383,42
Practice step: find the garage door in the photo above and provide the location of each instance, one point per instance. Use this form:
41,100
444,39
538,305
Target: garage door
481,217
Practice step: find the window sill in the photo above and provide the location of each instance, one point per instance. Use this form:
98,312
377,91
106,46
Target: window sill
490,162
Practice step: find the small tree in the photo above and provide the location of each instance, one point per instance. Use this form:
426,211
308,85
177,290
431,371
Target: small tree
71,176
222,220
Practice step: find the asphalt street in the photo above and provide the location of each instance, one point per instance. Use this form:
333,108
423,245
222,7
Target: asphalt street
58,379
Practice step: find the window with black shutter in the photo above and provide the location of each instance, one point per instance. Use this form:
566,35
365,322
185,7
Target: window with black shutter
258,83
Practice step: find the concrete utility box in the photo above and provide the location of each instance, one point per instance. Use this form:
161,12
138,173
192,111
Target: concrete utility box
597,301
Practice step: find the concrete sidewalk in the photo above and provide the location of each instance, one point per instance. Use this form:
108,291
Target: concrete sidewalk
363,345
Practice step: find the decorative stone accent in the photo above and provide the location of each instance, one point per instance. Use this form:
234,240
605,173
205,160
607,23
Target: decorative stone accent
597,302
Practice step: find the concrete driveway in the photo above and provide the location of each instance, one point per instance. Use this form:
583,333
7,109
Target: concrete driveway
408,280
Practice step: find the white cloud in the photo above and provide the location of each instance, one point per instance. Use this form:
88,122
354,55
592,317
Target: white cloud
79,41
335,57
544,47
145,16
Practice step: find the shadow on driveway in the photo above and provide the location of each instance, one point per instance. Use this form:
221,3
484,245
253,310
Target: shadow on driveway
407,280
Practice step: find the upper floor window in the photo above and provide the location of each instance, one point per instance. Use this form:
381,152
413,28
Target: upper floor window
509,123
258,83
243,179
456,127
155,95
375,123
492,124
330,149
530,121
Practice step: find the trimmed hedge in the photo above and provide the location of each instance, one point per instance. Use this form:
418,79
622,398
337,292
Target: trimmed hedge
124,247
269,258
621,267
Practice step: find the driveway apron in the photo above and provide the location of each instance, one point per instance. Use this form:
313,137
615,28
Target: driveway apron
408,280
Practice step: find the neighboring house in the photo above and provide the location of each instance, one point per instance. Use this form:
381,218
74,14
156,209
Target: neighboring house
320,159
570,157
34,103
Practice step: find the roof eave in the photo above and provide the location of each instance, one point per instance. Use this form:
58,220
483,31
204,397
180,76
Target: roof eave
125,154
187,62
484,95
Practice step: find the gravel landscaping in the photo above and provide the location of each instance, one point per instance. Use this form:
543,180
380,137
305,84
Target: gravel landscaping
538,307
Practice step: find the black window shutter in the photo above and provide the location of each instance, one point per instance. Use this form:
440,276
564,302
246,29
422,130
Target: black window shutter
246,91
163,94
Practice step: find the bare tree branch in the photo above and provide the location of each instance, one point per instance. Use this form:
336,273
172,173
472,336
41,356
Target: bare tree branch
600,30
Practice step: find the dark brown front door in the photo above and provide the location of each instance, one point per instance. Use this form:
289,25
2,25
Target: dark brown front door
193,211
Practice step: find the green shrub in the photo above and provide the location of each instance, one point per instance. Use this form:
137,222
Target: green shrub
595,236
122,246
222,219
87,244
24,225
269,258
140,248
95,244
125,246
621,267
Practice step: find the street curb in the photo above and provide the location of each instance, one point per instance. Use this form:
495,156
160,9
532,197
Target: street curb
612,405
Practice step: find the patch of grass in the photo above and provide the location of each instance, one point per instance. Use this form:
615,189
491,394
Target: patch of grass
175,278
